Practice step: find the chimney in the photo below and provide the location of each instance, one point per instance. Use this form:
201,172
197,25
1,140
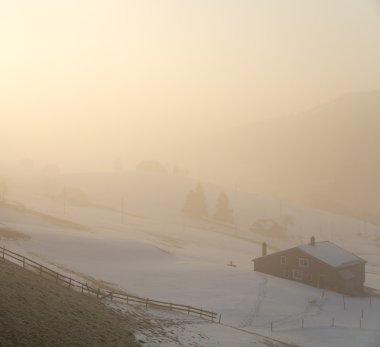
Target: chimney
312,241
264,249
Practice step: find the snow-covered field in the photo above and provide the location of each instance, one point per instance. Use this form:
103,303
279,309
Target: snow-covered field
152,251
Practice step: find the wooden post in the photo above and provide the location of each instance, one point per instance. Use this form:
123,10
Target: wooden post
220,318
146,303
127,299
188,310
23,262
302,323
70,283
64,201
362,313
82,287
271,326
122,210
200,313
360,324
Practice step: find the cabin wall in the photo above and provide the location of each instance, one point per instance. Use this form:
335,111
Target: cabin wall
316,274
359,272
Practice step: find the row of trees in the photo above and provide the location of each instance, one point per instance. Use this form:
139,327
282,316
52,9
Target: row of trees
196,206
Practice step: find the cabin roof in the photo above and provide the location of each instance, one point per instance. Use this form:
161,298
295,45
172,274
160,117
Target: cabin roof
325,252
331,254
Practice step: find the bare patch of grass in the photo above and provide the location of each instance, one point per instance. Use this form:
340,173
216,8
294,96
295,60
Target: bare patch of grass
11,234
35,312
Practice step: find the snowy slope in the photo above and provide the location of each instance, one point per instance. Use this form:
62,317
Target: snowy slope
152,251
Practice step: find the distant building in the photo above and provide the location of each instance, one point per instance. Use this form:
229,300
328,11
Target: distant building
152,166
319,264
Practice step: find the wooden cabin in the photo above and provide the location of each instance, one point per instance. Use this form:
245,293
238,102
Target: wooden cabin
319,264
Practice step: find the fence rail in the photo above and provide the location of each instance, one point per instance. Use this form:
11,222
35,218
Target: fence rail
373,272
100,293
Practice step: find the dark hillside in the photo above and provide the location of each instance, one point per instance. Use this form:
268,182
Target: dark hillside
36,312
327,157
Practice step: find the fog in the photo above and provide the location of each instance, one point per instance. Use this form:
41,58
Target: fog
189,163
84,83
279,99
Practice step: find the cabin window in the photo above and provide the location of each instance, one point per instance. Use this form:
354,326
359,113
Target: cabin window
303,262
283,260
297,274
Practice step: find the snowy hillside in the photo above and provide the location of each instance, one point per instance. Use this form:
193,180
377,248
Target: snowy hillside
131,235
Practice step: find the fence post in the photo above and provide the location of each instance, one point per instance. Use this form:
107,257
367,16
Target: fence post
362,313
220,318
23,262
127,299
271,326
302,323
200,313
146,303
188,310
360,324
82,287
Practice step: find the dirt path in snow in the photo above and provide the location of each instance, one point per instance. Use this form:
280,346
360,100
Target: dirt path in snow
261,293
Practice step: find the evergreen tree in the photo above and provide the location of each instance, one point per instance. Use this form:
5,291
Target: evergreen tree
195,203
223,212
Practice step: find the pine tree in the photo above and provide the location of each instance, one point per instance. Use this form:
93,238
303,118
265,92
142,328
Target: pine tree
195,203
223,212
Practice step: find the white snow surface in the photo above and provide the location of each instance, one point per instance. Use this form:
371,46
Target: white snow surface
330,253
152,251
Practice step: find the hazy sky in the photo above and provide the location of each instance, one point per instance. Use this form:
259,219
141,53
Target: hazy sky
85,81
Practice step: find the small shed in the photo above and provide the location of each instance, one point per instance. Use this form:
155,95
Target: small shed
319,264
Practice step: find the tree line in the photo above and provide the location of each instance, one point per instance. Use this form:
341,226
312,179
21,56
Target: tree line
195,206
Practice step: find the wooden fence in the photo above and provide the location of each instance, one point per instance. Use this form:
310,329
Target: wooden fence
212,316
100,293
